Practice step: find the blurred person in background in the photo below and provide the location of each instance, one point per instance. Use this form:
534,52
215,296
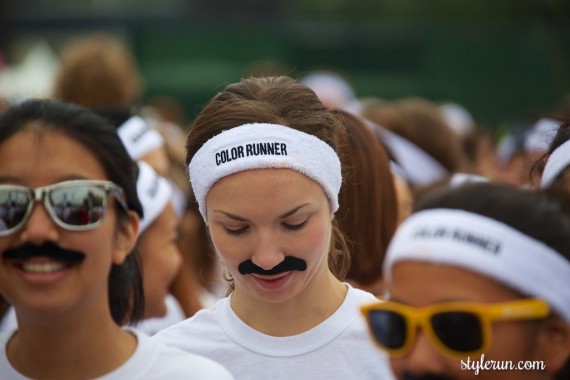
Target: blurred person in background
99,72
199,260
204,263
185,286
481,152
426,127
87,63
333,89
552,167
160,258
520,145
418,138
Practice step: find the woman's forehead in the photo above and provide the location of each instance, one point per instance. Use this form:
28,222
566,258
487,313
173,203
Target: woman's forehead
264,179
33,153
275,190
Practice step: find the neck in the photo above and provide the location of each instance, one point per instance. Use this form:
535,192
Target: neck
68,348
376,287
317,302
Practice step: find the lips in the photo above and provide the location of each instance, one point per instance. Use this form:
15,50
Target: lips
42,267
273,282
42,270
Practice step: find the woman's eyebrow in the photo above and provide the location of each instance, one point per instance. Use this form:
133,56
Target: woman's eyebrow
232,216
242,219
293,211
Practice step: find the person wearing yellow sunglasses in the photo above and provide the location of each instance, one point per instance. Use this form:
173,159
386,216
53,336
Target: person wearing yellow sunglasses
477,287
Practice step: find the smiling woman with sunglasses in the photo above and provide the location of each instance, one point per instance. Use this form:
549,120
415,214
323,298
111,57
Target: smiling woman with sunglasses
69,215
478,287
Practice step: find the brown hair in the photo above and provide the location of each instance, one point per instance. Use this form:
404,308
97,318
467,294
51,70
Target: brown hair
421,122
368,210
97,71
277,100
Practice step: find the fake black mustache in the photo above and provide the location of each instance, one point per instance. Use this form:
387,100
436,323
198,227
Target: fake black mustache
289,264
411,376
49,250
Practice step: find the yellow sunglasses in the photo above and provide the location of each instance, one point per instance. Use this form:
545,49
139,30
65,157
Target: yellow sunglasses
456,329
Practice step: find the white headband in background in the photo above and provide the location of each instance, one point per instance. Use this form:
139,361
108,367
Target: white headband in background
420,167
260,146
154,194
541,135
555,165
138,137
485,246
460,179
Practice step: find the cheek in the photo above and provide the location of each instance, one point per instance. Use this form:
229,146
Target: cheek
230,249
312,244
6,242
160,259
513,341
316,241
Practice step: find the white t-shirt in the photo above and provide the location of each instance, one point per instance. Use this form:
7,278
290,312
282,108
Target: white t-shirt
150,326
150,361
9,322
338,348
174,314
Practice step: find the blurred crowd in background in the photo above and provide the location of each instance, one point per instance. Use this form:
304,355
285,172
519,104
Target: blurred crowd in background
469,90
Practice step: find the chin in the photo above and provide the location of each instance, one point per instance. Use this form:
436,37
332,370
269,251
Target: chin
156,311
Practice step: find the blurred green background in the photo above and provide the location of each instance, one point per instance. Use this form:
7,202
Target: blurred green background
502,60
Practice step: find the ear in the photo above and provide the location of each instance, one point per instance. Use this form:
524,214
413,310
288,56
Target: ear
554,344
126,238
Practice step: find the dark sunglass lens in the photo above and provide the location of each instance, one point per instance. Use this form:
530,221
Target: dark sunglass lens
389,328
78,205
460,331
13,207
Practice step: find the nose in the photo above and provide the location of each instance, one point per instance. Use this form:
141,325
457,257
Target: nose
422,358
39,228
267,252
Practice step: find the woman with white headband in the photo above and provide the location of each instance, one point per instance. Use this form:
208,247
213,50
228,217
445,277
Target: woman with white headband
144,144
265,172
478,287
159,254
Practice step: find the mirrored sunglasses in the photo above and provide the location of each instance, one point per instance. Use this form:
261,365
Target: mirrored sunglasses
76,205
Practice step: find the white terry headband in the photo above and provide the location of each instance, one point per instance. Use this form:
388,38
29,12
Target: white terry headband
154,194
421,168
485,246
556,163
138,137
260,146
